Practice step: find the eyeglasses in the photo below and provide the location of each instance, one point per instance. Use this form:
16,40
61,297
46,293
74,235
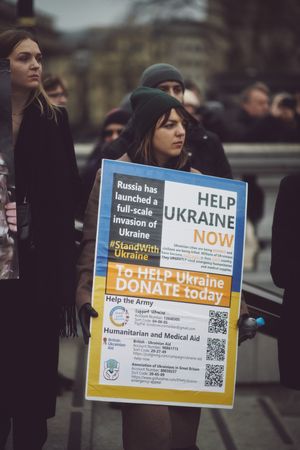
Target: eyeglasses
109,133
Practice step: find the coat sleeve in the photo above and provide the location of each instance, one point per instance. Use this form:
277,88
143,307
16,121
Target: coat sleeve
208,154
222,166
85,265
63,122
285,267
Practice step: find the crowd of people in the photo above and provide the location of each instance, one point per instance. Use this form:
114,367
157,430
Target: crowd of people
255,116
40,306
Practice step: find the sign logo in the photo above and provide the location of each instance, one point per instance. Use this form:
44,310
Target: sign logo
111,369
119,316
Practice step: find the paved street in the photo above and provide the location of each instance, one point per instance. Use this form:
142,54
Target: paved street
265,416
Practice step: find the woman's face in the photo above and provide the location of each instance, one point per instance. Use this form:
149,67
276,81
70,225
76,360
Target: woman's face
26,66
168,139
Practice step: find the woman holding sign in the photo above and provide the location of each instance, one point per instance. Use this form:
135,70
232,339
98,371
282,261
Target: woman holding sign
160,124
39,306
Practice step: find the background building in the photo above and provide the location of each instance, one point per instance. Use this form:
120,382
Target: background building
222,45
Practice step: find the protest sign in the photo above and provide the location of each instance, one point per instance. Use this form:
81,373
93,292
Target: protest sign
167,284
9,265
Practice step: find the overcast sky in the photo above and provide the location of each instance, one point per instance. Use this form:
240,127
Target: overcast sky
77,14
73,15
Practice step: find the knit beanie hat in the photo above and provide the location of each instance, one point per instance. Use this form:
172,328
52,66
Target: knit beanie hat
116,115
158,73
148,105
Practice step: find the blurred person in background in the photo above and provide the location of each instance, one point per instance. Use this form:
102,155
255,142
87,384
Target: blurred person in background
285,271
56,89
191,103
207,112
276,98
255,100
192,86
39,306
206,150
240,123
282,124
112,127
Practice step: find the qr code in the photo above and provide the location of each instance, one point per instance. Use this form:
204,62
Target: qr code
218,322
215,349
214,375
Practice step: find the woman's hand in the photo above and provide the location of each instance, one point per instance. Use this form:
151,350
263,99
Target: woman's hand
85,313
11,216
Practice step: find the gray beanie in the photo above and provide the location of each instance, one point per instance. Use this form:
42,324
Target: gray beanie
159,73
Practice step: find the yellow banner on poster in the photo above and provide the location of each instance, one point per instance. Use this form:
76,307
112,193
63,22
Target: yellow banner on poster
168,284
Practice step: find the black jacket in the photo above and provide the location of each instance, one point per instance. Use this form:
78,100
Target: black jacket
31,307
235,125
285,270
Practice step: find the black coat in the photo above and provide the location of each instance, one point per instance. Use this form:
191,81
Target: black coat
285,270
207,153
31,307
274,129
235,125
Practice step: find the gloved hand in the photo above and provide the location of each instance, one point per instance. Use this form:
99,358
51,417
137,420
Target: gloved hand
247,327
85,313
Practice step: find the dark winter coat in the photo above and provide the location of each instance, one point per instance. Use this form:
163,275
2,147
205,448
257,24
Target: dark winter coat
236,125
285,270
32,307
274,129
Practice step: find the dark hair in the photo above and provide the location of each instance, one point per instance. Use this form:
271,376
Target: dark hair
51,82
9,39
141,150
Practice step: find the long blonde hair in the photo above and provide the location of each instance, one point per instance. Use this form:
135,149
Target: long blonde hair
9,39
